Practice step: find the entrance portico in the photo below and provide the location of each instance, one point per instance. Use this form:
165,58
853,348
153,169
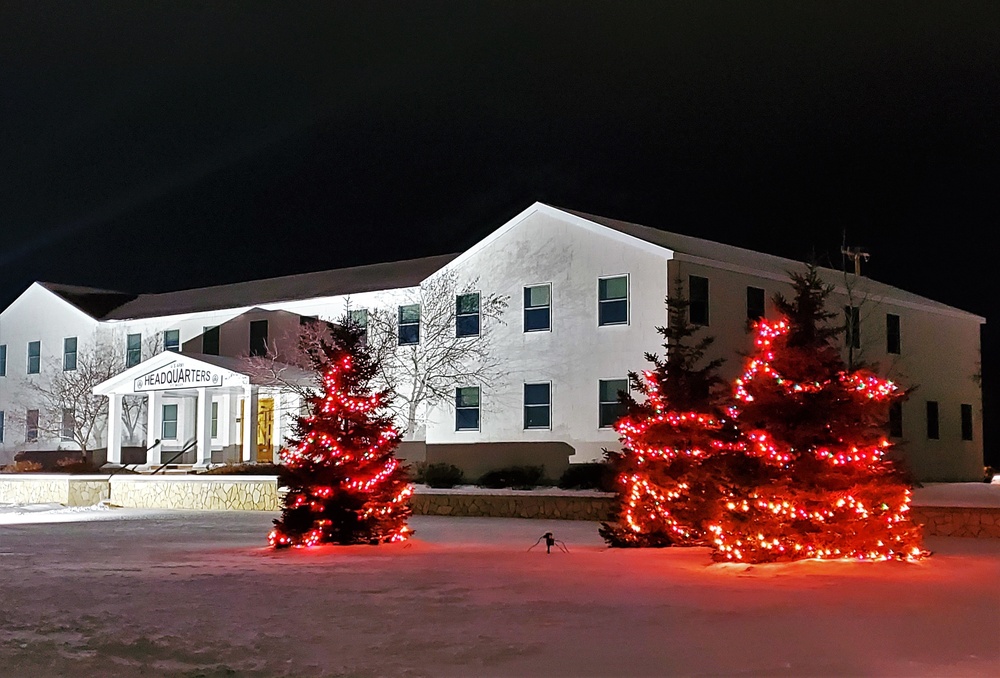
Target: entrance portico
196,405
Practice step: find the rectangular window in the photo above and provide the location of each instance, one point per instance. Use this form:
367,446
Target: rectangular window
68,427
359,317
698,300
892,343
215,419
258,338
467,408
537,405
966,422
34,357
612,300
169,422
537,303
3,360
611,410
409,324
932,420
467,315
896,419
133,350
755,303
172,340
31,426
852,321
210,340
1,426
69,354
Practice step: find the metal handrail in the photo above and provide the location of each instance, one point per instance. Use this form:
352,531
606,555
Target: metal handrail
171,460
155,443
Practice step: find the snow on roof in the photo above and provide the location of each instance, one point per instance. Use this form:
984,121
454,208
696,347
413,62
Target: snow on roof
766,263
353,280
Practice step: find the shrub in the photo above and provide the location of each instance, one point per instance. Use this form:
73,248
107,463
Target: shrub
443,475
517,477
417,471
592,476
243,469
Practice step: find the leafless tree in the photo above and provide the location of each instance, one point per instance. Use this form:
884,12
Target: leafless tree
68,408
292,362
425,373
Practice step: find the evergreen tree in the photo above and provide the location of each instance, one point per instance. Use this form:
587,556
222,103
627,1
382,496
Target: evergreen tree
664,480
815,482
345,485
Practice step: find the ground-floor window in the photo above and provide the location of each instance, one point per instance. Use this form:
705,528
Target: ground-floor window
467,408
537,405
610,409
169,422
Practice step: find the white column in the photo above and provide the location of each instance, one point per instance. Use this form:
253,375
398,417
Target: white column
115,429
250,424
154,427
203,427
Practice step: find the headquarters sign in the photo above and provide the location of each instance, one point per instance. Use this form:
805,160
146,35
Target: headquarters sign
176,376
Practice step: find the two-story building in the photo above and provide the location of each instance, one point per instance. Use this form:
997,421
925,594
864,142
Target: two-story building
584,293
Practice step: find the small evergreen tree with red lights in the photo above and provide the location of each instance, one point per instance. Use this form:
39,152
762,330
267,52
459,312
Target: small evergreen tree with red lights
817,483
666,488
345,485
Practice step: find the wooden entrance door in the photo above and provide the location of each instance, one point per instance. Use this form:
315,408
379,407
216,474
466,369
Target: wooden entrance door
265,430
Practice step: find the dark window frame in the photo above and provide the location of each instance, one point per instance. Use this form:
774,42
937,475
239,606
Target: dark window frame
70,346
933,420
34,365
133,349
607,306
533,312
211,336
893,338
756,307
610,406
967,421
258,341
467,323
895,419
167,343
699,300
31,423
463,410
531,408
164,420
408,333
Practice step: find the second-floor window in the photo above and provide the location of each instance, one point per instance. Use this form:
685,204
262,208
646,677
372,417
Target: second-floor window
359,318
698,311
34,357
537,308
210,340
258,338
133,350
612,300
892,340
69,354
172,340
409,324
755,303
467,315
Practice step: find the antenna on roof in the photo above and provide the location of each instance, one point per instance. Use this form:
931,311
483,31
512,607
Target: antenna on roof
855,253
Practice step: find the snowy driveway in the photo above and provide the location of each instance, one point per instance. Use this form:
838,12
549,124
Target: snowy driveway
122,592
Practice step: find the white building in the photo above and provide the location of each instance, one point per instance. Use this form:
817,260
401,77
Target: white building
585,295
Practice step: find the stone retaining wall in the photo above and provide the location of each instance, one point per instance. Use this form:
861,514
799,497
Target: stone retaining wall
958,521
260,493
53,488
556,507
204,492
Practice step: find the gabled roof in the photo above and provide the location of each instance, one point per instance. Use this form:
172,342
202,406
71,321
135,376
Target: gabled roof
774,266
93,301
112,305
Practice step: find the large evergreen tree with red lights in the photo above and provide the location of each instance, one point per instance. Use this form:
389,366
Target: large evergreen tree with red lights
345,485
665,480
816,482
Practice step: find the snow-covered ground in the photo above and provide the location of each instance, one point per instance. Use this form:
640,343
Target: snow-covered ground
120,592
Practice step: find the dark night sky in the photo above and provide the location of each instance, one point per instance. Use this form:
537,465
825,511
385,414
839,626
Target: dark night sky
151,146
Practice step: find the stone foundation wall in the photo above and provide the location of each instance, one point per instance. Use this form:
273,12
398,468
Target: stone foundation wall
555,507
39,488
206,493
958,521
